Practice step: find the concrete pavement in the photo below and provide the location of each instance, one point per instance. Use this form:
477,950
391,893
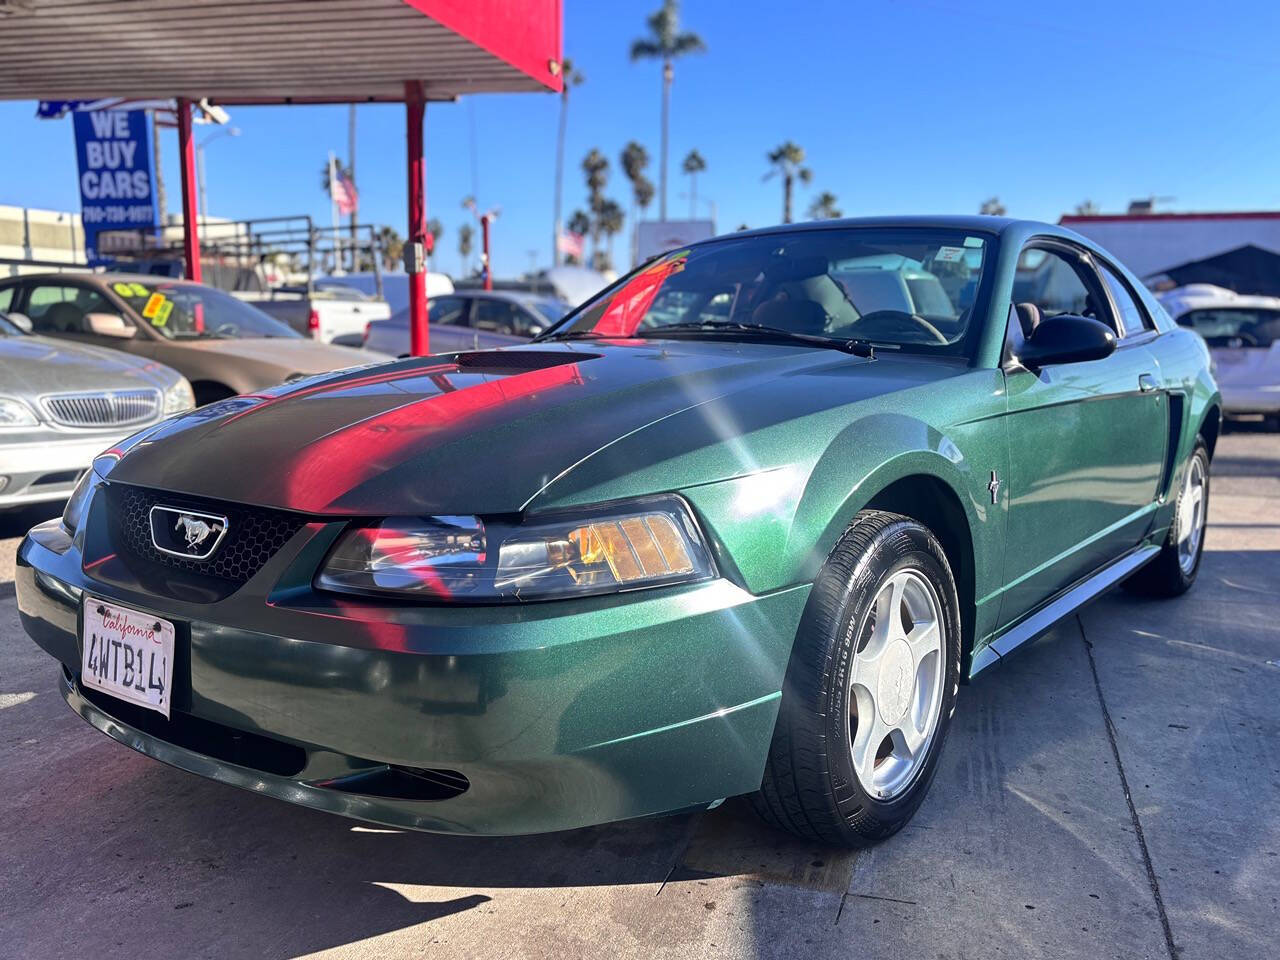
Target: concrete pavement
1113,791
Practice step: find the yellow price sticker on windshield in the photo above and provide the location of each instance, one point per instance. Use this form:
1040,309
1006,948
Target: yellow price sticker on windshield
139,290
124,289
154,303
162,315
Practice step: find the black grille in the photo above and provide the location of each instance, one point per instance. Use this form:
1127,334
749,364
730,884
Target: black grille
254,534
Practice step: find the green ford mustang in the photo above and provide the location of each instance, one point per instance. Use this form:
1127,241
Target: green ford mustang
739,525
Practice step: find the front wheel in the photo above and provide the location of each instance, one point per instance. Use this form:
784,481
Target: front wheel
870,688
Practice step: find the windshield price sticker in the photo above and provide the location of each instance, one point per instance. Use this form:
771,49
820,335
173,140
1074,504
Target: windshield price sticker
162,315
154,303
127,654
124,289
949,255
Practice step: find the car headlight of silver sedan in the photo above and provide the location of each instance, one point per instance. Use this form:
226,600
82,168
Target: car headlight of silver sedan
179,398
15,413
642,543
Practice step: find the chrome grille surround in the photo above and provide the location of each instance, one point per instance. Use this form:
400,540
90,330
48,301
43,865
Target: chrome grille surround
102,408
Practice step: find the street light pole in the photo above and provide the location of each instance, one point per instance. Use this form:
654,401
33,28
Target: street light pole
204,199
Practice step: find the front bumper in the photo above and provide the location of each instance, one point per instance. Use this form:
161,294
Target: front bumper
47,470
543,717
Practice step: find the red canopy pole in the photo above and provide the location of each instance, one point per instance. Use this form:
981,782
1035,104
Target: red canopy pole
488,263
190,209
415,248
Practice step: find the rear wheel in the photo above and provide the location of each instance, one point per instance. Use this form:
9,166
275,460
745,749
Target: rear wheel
1174,569
870,688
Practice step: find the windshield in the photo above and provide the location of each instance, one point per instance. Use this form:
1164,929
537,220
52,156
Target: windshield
902,289
552,310
179,311
1235,327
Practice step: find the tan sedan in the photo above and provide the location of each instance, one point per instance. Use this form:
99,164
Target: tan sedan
222,345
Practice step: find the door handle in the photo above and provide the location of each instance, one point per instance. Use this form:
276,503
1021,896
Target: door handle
1146,382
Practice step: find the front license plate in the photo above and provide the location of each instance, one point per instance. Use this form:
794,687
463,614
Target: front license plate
127,653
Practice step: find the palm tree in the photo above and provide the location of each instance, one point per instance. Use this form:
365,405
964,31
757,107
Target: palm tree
992,207
635,158
644,191
609,220
788,162
824,207
390,246
693,165
572,78
595,167
666,43
464,247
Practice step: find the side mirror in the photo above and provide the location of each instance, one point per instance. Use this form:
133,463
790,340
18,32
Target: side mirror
110,325
1066,338
21,321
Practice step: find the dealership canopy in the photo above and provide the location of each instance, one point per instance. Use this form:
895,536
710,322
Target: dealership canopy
279,52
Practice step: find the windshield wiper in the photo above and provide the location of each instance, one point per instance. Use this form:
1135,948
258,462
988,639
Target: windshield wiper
573,335
859,348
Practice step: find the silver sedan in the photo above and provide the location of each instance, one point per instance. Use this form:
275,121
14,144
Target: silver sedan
470,320
62,404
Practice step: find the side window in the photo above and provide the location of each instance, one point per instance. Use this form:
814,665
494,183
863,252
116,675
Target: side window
451,311
495,315
7,297
1052,285
1133,319
61,308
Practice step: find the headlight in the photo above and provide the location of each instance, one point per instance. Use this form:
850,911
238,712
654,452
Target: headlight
463,559
179,398
15,413
77,507
73,513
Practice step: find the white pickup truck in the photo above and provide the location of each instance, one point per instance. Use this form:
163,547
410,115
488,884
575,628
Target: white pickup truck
333,311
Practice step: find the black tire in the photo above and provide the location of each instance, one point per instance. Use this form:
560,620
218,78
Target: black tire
1165,576
810,787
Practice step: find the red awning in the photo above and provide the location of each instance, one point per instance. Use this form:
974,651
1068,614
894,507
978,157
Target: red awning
277,51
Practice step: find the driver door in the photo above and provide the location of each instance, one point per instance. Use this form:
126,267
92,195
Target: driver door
1086,440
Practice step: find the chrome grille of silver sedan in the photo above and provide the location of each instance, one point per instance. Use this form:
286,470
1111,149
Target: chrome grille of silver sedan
103,408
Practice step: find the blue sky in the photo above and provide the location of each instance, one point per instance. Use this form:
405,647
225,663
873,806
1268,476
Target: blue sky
910,106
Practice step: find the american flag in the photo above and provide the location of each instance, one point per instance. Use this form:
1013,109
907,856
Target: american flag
571,244
343,190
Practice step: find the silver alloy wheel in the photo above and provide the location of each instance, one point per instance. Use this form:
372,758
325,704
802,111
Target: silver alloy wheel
895,684
1191,515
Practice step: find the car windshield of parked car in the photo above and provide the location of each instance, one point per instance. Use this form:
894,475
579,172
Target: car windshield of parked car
179,311
553,310
898,288
1234,327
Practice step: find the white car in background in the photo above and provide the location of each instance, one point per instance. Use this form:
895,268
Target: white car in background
1243,334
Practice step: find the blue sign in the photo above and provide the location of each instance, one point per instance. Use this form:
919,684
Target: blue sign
117,175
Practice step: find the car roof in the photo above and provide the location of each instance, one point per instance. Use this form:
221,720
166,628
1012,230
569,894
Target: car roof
100,278
1204,296
1007,228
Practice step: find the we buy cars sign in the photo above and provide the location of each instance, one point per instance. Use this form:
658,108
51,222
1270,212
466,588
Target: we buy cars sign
117,173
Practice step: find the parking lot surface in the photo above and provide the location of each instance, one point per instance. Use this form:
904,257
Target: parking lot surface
1113,791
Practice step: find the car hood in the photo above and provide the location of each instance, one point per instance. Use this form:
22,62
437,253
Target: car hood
289,354
39,365
485,432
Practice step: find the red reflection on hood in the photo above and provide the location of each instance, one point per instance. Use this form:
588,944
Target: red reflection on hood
342,460
632,302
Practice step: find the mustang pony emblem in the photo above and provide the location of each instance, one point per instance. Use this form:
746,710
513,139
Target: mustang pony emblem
196,531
